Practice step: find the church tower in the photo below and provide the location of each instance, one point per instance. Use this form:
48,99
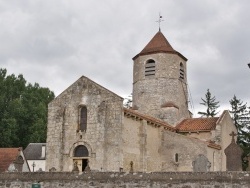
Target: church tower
160,81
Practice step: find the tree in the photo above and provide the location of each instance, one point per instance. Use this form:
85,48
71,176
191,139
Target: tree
211,105
23,111
240,115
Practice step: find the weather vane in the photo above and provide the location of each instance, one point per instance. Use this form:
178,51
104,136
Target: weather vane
159,21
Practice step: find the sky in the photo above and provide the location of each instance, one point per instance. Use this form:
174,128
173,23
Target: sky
54,43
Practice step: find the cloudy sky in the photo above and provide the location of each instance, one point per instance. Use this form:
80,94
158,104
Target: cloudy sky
55,42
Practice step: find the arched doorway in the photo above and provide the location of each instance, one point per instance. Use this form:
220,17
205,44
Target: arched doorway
81,155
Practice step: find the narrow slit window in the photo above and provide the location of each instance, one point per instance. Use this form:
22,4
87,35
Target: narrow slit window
182,73
83,119
150,68
176,158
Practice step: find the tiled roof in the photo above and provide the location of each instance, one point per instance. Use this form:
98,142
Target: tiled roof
213,145
34,151
187,125
149,119
158,44
197,124
7,156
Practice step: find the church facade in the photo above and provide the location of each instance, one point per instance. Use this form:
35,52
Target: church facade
89,129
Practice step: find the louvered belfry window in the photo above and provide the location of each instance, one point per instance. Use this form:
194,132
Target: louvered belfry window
181,71
150,68
81,151
83,119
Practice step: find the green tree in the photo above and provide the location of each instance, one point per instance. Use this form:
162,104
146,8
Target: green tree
211,105
23,111
240,115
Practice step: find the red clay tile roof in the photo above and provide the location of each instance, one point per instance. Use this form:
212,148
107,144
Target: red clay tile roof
149,119
7,156
158,44
213,145
197,124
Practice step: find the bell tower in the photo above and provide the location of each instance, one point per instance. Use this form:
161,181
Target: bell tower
160,81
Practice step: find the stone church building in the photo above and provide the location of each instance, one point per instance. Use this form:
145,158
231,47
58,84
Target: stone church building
89,129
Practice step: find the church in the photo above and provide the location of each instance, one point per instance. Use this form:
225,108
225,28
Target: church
89,128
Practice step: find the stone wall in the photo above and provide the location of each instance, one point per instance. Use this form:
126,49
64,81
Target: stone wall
172,144
102,136
153,94
126,180
141,143
153,148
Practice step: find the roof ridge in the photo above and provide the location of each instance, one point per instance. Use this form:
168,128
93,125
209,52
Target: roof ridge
84,77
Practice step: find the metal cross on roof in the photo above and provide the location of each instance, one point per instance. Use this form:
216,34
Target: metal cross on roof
159,21
233,134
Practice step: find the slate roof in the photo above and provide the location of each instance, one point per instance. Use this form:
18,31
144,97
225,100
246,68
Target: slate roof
197,124
34,151
8,156
158,44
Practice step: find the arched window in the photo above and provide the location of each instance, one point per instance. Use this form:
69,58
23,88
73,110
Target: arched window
181,71
83,118
81,151
150,67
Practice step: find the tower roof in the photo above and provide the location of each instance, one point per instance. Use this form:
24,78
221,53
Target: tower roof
158,44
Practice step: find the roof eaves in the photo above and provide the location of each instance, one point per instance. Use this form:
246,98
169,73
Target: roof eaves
213,145
160,51
193,131
150,120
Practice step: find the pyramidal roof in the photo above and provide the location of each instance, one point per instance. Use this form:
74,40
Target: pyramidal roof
158,44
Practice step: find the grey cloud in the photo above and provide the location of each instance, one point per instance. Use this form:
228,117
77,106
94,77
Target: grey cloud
55,42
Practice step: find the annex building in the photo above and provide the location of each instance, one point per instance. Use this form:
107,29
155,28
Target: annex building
89,129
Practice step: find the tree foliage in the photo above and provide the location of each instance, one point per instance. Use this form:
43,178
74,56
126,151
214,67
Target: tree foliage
240,115
23,111
211,105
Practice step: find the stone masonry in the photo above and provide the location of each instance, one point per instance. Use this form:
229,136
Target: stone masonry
102,137
163,95
126,180
89,130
